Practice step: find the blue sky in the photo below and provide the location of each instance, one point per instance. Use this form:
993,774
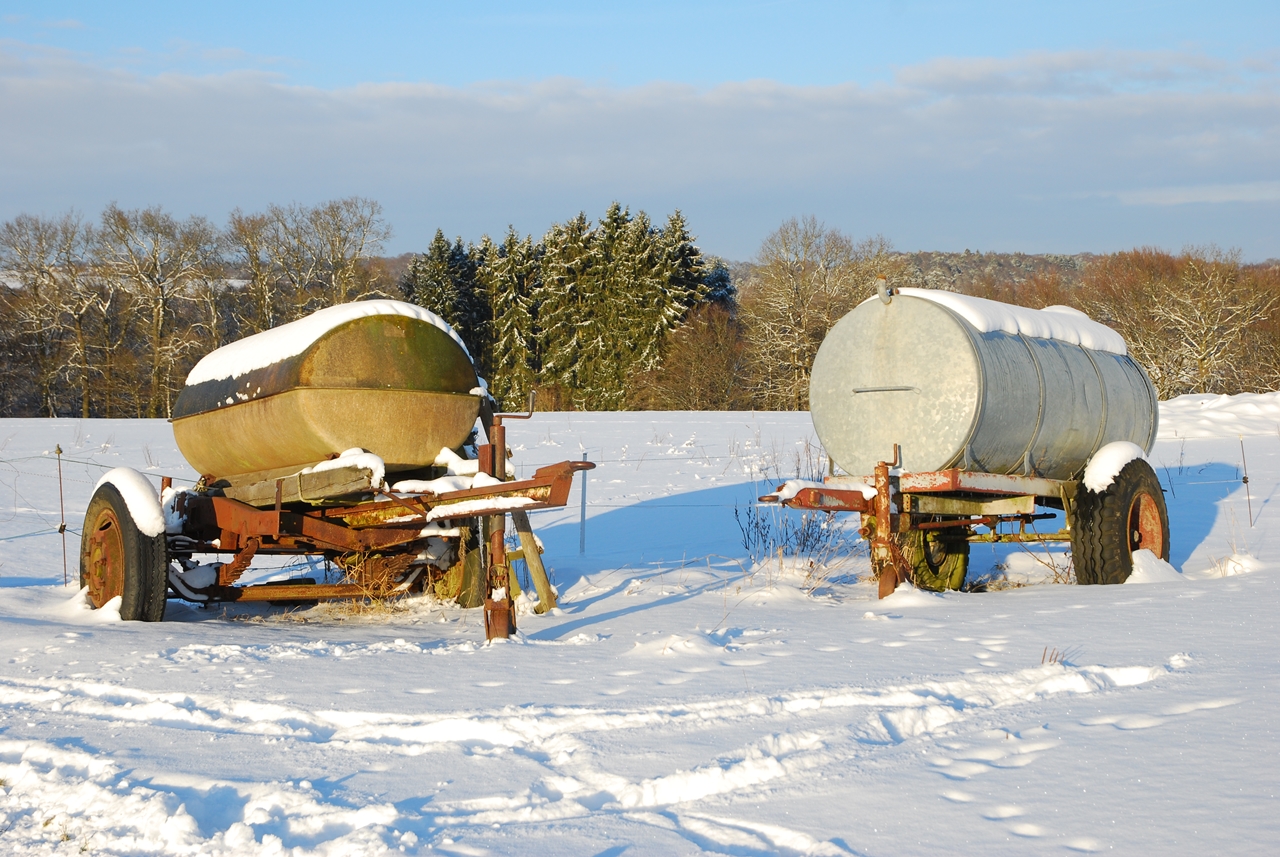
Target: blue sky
1001,126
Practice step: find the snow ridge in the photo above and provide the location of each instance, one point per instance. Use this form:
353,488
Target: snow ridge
140,497
1107,463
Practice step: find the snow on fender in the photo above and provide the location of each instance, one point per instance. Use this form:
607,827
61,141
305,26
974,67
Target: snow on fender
140,496
1107,463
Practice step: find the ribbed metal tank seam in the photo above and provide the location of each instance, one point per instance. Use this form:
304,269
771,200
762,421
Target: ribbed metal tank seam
1044,393
1155,405
1102,424
970,332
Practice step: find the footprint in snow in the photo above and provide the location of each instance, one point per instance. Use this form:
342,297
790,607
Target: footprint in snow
1000,813
1148,721
1009,752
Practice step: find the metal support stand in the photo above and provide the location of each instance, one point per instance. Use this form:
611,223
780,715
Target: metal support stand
885,553
537,571
499,610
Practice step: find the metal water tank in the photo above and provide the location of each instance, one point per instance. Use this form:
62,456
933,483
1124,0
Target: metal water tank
964,382
385,376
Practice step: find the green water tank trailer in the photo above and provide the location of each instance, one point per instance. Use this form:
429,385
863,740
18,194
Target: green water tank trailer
386,376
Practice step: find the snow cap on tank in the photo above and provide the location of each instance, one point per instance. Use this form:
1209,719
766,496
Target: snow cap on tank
379,344
1061,323
289,340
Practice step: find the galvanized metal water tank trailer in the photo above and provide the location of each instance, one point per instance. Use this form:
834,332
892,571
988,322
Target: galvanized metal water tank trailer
974,384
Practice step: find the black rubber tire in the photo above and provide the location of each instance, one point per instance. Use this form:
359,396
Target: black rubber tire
473,581
474,577
938,562
143,566
1102,532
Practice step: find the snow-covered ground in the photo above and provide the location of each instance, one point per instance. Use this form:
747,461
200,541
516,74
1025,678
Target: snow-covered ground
683,699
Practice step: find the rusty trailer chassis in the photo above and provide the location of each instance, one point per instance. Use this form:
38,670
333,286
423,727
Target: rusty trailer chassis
380,540
221,525
952,500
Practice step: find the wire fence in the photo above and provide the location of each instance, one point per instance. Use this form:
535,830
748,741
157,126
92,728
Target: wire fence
757,466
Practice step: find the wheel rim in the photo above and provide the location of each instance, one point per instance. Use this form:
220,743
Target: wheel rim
1146,529
935,553
104,570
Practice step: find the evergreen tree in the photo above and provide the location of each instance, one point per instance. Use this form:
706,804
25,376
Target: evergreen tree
719,286
679,286
612,306
562,311
510,276
684,269
444,280
612,295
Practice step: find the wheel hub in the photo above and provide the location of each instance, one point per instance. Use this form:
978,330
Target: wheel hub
1146,530
104,570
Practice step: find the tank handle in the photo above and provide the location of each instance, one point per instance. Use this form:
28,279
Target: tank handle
533,400
882,289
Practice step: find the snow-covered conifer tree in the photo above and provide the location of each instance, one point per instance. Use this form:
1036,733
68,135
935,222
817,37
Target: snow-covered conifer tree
444,280
563,314
510,277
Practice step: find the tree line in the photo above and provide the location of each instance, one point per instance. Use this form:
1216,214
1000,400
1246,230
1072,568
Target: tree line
580,314
105,318
1199,321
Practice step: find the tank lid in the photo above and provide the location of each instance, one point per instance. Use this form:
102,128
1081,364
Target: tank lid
289,340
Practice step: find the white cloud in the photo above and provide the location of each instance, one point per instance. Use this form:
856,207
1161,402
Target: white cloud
1210,193
1045,152
1074,73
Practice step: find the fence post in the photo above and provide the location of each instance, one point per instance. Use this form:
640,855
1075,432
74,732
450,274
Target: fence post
62,512
582,520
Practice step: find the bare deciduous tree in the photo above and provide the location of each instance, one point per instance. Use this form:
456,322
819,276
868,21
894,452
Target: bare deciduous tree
114,316
701,370
159,259
321,252
249,242
1187,319
28,250
348,232
805,279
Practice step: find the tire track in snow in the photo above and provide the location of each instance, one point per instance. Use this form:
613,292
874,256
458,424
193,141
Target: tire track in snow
576,782
903,711
61,800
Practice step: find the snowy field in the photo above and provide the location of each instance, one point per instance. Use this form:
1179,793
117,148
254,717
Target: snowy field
683,700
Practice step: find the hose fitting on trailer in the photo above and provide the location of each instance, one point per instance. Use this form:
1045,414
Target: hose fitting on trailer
882,289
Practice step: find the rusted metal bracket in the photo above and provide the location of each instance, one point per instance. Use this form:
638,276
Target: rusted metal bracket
824,500
229,573
996,538
894,568
418,511
1001,506
548,487
982,483
291,530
